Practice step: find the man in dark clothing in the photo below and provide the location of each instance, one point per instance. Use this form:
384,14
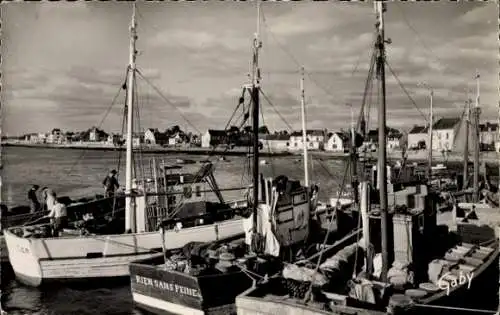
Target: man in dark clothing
33,199
110,184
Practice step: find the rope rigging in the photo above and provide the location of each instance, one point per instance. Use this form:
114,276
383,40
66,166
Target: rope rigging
406,92
108,110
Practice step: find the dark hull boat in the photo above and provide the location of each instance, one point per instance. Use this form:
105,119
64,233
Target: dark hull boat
205,278
158,290
459,271
463,289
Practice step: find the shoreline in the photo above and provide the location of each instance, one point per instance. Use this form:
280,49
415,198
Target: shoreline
413,156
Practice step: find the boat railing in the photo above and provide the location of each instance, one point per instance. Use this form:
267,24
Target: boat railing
219,215
138,193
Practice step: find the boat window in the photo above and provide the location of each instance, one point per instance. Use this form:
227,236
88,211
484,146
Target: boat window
198,191
299,198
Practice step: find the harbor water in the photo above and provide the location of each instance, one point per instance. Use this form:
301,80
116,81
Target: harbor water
79,173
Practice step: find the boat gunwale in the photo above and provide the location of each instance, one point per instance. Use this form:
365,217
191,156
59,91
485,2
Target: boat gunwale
140,263
345,309
477,272
432,298
9,230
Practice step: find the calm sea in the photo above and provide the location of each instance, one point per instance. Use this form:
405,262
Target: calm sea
78,173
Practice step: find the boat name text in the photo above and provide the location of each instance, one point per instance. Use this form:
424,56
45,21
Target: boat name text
447,281
162,285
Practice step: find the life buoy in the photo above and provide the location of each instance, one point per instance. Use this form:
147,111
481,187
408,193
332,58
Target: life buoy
188,192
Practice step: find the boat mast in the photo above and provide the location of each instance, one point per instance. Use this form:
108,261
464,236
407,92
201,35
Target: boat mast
431,121
476,112
354,159
255,122
466,142
380,8
304,128
129,207
498,141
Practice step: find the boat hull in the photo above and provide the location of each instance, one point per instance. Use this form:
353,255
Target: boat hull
98,207
36,261
159,290
482,294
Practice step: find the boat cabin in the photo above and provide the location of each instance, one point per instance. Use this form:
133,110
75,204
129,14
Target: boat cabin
174,192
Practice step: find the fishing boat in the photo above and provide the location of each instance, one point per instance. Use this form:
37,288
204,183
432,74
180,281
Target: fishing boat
425,276
80,255
97,207
206,277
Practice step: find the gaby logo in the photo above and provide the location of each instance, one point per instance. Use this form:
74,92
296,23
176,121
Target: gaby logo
446,282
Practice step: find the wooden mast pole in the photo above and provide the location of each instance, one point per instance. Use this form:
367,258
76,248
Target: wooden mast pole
255,127
476,144
130,220
304,128
466,142
382,155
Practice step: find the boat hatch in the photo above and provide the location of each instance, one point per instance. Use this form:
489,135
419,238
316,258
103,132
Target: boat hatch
95,255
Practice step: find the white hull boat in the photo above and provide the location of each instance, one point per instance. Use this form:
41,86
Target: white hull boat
41,260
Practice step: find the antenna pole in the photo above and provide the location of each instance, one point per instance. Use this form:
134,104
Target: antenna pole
431,122
354,160
466,142
382,157
304,128
477,112
255,122
130,222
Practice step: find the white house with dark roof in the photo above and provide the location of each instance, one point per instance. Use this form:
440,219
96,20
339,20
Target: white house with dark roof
417,136
337,142
274,142
488,134
154,136
315,138
444,133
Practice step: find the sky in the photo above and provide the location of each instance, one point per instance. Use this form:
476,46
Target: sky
63,63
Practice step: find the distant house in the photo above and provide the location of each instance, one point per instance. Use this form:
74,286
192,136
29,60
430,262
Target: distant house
175,139
195,140
418,137
94,134
154,136
149,135
114,139
213,138
274,142
488,135
444,133
394,138
34,138
338,142
315,140
56,136
137,139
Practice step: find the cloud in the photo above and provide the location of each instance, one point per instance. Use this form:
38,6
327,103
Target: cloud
199,57
477,15
198,40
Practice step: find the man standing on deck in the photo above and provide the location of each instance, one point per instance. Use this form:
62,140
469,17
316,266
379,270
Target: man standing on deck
49,196
110,184
59,218
34,203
